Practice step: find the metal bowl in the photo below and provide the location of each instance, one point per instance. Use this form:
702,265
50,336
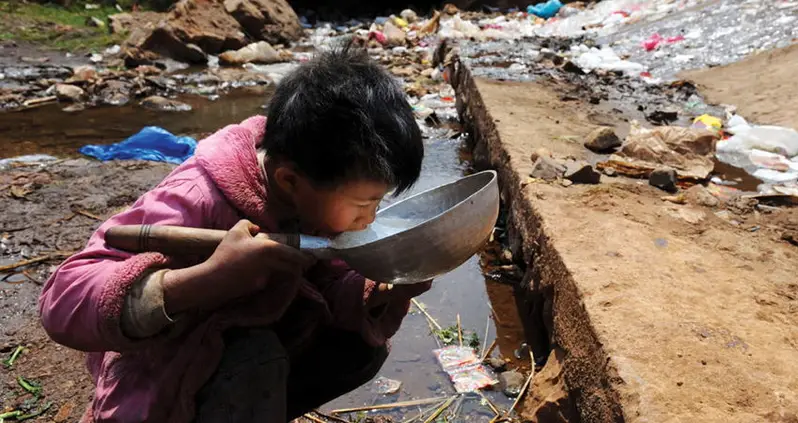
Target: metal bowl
435,231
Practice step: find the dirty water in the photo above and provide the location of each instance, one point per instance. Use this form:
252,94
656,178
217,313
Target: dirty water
49,130
464,291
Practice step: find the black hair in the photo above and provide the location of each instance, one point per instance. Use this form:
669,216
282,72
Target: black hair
339,117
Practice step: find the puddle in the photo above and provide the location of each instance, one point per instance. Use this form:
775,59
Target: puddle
49,130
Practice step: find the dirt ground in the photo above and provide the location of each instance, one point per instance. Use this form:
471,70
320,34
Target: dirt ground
663,311
761,86
49,212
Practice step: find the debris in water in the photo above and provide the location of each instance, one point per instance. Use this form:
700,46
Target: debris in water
387,386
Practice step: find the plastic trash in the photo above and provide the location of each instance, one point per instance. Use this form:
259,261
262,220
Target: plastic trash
707,122
545,10
775,139
464,368
29,159
151,143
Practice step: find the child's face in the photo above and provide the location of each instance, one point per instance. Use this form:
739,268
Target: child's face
351,206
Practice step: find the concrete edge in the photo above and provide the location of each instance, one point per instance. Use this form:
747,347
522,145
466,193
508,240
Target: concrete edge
590,376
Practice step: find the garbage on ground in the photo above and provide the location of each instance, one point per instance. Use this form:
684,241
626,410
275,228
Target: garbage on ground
708,122
464,368
655,40
28,159
592,58
151,143
686,150
545,10
385,386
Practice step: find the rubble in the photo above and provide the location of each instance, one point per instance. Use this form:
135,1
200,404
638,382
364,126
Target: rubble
547,168
664,179
602,139
69,93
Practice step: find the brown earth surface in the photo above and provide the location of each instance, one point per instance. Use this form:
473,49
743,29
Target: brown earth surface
762,86
49,212
663,312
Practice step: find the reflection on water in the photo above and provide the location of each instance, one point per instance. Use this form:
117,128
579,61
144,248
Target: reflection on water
49,130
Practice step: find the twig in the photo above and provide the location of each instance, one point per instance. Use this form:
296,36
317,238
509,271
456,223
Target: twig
489,351
427,315
24,263
440,410
313,418
31,278
485,339
493,312
89,215
490,404
35,101
459,330
388,406
456,411
424,412
329,417
526,384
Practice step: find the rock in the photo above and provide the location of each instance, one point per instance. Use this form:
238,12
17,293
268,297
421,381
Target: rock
409,15
566,182
114,92
664,179
394,36
260,52
164,104
97,23
572,67
610,171
273,21
511,383
83,73
547,168
602,139
165,41
72,108
581,173
496,364
701,196
66,92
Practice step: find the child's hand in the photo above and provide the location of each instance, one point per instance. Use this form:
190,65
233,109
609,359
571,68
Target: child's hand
241,265
245,254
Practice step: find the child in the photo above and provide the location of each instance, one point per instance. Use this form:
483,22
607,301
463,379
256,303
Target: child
258,332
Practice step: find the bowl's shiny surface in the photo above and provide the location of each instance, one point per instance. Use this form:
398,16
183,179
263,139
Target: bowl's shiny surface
426,235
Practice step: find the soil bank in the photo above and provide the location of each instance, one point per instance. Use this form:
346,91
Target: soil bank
658,311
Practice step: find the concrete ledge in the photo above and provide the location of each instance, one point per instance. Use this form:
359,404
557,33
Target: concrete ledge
664,312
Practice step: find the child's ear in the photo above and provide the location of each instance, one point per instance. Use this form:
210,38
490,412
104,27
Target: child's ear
286,178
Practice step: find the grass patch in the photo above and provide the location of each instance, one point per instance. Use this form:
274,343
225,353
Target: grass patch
57,27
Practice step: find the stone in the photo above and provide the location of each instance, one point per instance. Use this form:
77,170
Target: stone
581,172
511,383
83,73
115,92
602,139
394,36
409,15
260,52
66,92
547,168
496,364
664,179
273,21
164,104
95,22
700,196
610,171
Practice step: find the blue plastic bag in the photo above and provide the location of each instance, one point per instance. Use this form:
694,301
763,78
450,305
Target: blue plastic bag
151,143
545,10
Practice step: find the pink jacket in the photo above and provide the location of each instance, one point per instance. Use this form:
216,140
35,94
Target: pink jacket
156,379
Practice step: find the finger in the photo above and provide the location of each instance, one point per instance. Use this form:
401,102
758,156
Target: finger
244,226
